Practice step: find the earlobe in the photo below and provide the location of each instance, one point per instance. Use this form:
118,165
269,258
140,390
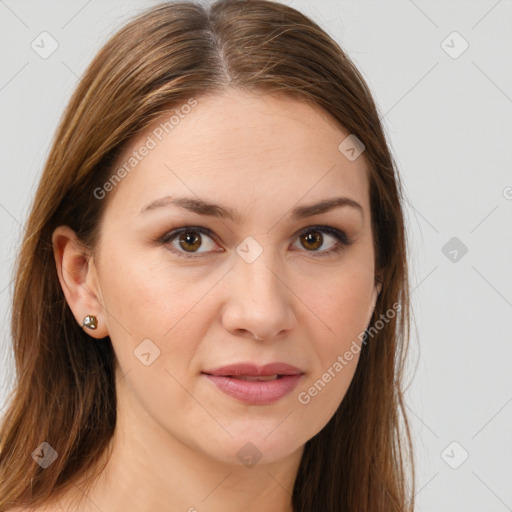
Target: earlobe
76,272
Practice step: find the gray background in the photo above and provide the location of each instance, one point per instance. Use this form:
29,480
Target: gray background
449,122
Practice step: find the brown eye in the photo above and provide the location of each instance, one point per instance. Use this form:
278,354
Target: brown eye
312,240
190,241
186,242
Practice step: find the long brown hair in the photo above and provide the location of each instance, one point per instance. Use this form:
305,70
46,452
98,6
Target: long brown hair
65,386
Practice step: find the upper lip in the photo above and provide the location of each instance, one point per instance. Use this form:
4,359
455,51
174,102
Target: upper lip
252,370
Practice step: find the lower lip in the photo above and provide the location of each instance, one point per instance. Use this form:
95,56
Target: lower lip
254,392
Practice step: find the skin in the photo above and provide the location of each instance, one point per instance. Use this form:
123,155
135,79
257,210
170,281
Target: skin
177,436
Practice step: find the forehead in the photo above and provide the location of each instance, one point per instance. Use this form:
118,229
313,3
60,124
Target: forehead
236,146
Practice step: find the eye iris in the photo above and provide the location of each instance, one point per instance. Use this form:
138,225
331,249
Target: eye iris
190,238
316,239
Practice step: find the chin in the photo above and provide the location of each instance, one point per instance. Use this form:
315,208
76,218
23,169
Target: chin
254,446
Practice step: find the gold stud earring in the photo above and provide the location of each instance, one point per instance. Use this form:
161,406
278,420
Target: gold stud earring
90,321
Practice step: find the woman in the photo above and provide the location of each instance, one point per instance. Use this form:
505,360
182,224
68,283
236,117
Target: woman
211,300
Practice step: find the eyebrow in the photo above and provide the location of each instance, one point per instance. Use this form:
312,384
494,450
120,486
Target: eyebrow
202,207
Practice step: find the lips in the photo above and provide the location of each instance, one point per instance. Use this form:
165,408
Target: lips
251,370
260,378
255,385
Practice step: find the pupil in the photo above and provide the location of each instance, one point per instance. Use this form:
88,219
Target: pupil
190,239
315,239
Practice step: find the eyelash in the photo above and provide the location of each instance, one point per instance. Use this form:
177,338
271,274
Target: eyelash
343,239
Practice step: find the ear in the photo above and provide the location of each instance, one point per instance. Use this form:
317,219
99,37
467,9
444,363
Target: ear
375,294
78,279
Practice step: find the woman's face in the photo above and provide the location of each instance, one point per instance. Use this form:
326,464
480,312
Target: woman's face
259,278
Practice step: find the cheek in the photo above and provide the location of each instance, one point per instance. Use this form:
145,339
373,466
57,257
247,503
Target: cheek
144,293
152,321
146,301
342,301
323,392
337,351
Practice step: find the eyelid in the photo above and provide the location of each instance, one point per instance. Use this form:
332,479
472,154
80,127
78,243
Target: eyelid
343,239
335,232
173,233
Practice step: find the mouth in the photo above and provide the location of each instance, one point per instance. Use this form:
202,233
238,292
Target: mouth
255,385
250,370
262,378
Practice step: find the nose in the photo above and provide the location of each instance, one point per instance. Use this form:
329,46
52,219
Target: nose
259,301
